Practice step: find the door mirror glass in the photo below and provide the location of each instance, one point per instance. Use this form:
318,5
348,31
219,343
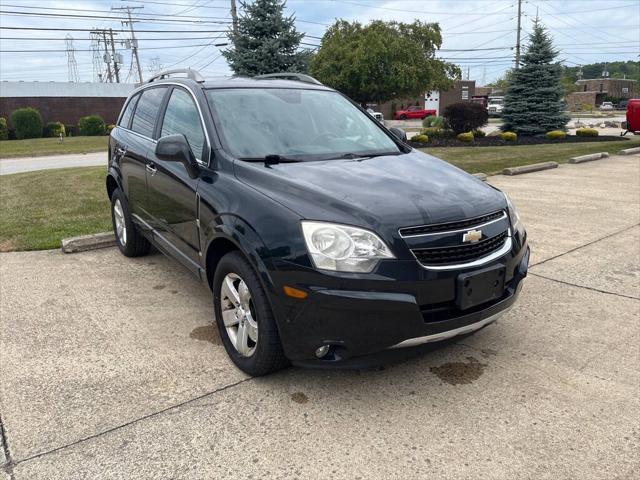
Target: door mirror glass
175,148
400,133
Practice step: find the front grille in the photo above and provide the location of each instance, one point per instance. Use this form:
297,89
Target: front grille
460,253
445,227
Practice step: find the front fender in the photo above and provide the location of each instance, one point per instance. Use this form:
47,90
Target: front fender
230,228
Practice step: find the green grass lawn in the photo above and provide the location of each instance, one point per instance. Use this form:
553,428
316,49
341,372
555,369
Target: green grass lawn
494,159
36,147
38,209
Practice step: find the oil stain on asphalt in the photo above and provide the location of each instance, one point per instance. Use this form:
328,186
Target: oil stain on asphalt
456,373
299,397
207,333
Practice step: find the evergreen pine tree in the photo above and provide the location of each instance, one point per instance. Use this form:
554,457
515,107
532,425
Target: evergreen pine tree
265,41
534,102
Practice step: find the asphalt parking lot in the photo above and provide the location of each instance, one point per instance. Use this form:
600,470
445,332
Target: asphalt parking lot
110,368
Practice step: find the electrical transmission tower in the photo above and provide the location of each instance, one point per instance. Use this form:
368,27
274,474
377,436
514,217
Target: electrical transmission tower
72,65
98,72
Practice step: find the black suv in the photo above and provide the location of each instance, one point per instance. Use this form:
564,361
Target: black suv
323,236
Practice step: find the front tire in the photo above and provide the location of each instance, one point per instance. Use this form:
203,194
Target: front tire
244,317
129,240
403,117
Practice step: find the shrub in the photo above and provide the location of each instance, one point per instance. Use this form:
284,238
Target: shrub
479,134
421,138
27,122
465,116
54,129
556,134
587,132
4,130
435,132
110,127
432,121
466,137
91,126
71,130
509,136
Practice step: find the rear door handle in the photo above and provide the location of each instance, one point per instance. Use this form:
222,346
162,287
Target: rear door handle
151,168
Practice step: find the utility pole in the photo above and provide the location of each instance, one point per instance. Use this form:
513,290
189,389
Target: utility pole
107,57
134,42
116,69
518,34
234,16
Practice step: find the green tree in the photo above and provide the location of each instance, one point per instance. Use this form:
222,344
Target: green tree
534,102
382,60
265,41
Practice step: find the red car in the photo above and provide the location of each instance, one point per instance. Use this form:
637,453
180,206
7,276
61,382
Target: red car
633,117
413,112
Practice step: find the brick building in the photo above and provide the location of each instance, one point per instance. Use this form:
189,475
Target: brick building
621,88
64,102
463,90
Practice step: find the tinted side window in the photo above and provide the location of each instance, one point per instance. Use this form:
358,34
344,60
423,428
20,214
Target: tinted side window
147,109
182,117
125,120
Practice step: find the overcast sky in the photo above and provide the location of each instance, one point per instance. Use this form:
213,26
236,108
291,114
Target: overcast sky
585,31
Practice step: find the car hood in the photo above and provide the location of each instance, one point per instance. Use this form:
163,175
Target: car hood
380,193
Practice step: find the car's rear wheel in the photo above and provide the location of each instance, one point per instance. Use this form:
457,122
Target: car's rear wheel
129,240
244,317
403,117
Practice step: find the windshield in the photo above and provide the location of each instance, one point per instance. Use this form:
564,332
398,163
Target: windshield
296,124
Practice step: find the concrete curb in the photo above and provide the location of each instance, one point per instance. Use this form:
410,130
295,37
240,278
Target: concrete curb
630,151
535,167
88,242
589,158
480,176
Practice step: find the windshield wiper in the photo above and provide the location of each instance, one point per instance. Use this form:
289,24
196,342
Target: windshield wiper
350,156
271,159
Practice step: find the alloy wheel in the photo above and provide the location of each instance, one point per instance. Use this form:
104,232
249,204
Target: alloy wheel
238,314
121,226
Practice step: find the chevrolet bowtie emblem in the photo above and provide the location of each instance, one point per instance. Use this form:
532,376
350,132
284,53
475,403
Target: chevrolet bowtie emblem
472,236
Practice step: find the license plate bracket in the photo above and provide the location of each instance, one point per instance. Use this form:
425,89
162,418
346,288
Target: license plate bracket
480,286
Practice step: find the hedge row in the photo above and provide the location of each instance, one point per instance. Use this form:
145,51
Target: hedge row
27,123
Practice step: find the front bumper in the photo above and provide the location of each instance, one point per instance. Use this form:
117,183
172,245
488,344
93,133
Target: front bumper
403,306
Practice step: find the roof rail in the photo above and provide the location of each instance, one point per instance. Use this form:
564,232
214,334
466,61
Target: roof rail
300,77
189,72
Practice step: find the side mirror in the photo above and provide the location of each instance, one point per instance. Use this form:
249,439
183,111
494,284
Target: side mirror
400,133
175,148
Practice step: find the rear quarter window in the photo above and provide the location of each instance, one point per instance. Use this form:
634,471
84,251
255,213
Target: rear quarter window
146,112
125,119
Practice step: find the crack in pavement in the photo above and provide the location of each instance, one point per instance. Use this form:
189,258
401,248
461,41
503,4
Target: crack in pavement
8,465
131,422
584,286
585,245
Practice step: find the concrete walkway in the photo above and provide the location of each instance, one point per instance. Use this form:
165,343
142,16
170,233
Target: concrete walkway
111,369
30,164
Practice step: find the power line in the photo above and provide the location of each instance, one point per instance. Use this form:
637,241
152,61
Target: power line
94,17
115,30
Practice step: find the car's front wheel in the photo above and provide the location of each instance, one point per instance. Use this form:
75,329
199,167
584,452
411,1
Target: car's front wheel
403,117
245,321
129,240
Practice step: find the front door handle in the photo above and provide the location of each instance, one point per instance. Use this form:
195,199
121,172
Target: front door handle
151,168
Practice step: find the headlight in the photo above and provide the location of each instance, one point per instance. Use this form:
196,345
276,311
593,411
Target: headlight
516,223
342,248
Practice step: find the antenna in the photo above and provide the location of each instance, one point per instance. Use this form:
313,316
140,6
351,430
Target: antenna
72,65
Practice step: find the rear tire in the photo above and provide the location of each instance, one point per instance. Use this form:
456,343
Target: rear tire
129,240
240,302
403,117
